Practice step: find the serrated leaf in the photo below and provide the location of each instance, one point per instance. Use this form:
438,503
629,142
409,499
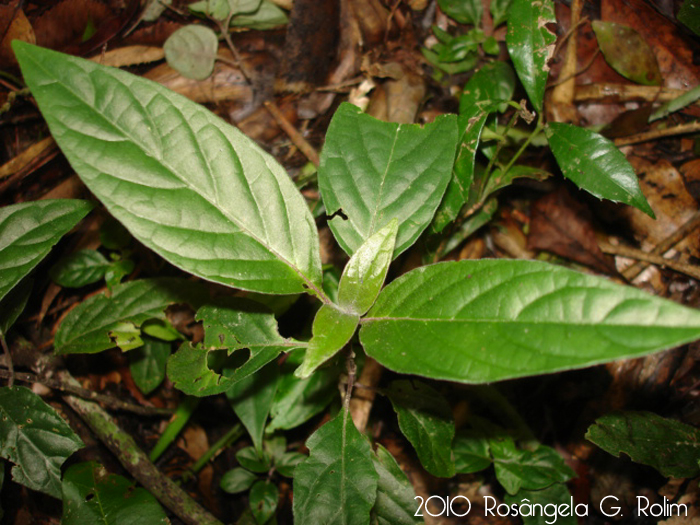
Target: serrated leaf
396,503
488,320
524,469
267,16
557,494
676,104
531,45
93,496
237,480
29,230
183,182
35,438
251,399
596,165
627,52
147,364
191,51
263,501
86,328
463,11
471,452
365,272
689,15
671,447
337,484
499,11
249,458
425,418
332,330
375,171
80,269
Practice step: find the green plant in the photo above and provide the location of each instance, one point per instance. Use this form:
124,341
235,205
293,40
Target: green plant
208,200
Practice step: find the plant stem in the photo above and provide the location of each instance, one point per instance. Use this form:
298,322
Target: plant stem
177,423
225,441
8,359
538,128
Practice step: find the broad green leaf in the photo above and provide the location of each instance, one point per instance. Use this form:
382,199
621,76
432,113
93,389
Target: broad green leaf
671,447
531,45
147,364
450,206
337,484
29,230
12,305
471,452
298,400
556,494
237,480
676,104
153,9
524,469
332,330
263,501
267,16
249,458
499,11
216,9
93,496
365,272
288,462
372,172
191,51
396,503
463,11
185,183
627,52
35,438
86,329
488,320
596,165
425,418
161,329
80,269
689,15
251,399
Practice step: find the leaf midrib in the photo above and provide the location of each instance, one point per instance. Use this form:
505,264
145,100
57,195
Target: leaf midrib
367,320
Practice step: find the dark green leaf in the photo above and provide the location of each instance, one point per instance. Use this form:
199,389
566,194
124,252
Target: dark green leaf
191,51
263,501
627,52
498,180
531,45
12,305
92,496
499,11
425,418
268,16
86,329
237,480
337,484
595,164
251,399
80,269
113,235
183,182
556,494
147,364
396,503
524,469
375,171
463,11
249,458
689,15
471,452
676,104
29,230
35,438
288,462
671,447
488,320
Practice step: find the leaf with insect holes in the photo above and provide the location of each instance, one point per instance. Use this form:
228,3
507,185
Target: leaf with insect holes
184,182
489,320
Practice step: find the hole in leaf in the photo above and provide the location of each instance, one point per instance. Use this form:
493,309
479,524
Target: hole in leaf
339,213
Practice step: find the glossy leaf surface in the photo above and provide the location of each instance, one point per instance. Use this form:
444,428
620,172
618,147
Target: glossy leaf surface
35,438
337,484
396,503
595,164
29,230
375,171
488,320
183,182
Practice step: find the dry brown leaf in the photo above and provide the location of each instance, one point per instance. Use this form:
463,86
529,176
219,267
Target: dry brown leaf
19,29
65,23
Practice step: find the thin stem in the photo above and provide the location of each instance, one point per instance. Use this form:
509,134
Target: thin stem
538,128
492,160
182,416
224,28
8,358
233,435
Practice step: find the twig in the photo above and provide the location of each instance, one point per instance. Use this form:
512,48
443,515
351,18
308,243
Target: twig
567,78
296,137
616,93
665,245
109,401
8,358
655,134
226,440
136,462
633,253
361,404
224,28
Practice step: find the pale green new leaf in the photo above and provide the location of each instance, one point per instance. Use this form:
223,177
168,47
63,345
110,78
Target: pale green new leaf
372,172
185,183
425,418
191,51
396,503
531,45
29,230
80,269
87,327
337,484
488,320
596,165
35,438
364,274
92,496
